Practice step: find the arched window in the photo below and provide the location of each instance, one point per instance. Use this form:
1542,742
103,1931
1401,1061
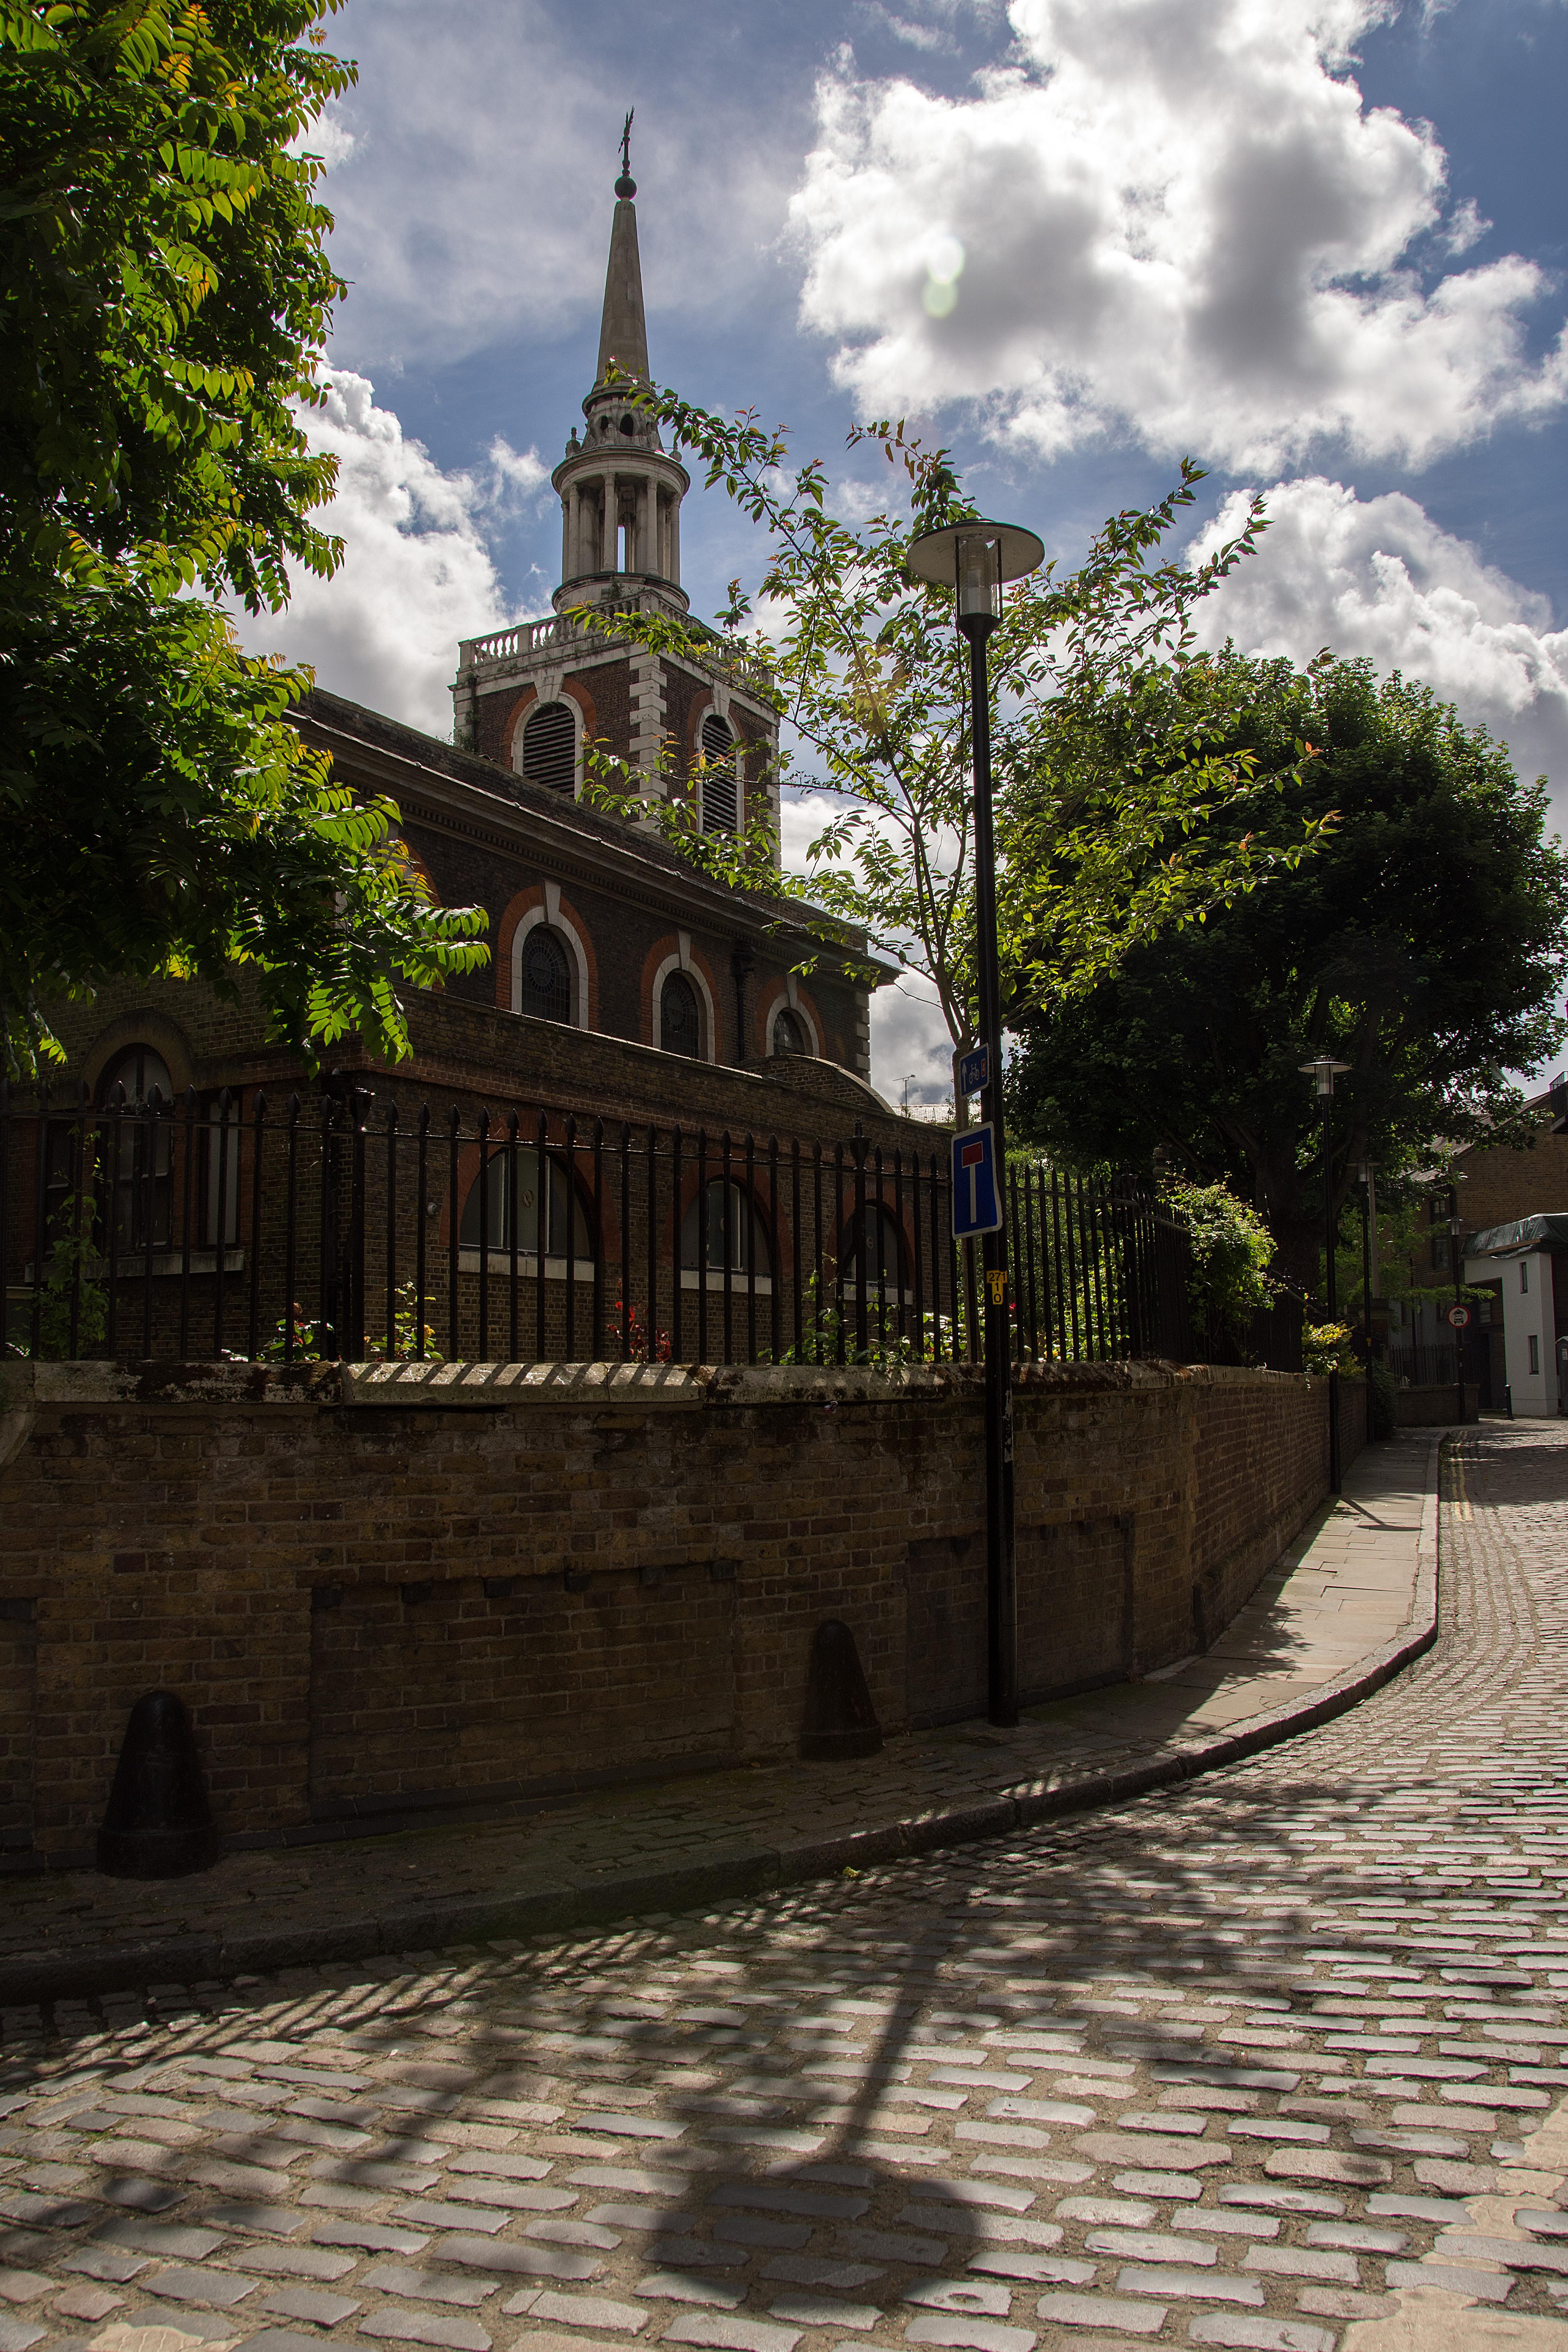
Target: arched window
721,791
680,1021
143,1185
789,1032
549,747
726,1228
546,975
872,1233
511,1181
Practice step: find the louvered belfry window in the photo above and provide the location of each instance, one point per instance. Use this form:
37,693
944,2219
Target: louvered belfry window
721,796
549,747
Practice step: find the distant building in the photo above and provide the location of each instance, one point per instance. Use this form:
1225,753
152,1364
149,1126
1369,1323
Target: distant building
1515,1209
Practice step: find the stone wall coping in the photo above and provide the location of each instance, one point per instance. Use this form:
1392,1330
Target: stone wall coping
27,1387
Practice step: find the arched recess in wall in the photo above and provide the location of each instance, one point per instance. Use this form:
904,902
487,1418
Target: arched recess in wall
540,1198
725,1225
676,968
873,1234
559,957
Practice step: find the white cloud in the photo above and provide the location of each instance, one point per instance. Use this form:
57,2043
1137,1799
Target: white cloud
472,169
908,1034
417,572
1378,577
910,1040
1177,217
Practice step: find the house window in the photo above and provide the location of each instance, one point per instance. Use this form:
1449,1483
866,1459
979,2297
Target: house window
220,1172
511,1185
1524,1273
1439,1253
679,1023
726,1229
546,975
141,1187
789,1032
549,747
720,790
1534,1353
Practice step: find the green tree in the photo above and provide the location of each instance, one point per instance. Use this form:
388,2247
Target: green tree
164,296
1420,945
1108,763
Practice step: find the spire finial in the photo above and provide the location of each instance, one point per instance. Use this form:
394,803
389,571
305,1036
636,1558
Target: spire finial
626,186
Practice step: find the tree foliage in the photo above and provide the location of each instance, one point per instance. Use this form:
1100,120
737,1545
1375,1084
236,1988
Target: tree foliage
1108,760
1422,945
164,296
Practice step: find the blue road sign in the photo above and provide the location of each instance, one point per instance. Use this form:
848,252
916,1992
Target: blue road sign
975,1206
975,1070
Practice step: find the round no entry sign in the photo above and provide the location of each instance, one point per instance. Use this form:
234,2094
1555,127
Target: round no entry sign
1458,1317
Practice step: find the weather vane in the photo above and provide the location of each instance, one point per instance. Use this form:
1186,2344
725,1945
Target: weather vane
625,185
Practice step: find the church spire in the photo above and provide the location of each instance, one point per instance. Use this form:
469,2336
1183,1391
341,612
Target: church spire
623,329
620,489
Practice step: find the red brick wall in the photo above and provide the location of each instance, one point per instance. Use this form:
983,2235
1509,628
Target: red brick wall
371,1608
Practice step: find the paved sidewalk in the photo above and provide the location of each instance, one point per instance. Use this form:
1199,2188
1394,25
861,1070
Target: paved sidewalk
1352,1600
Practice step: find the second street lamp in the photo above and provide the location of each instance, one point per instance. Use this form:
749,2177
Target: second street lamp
976,560
1325,1070
1456,1229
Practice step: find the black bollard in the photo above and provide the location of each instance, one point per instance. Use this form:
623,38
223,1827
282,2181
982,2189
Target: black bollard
840,1719
158,1822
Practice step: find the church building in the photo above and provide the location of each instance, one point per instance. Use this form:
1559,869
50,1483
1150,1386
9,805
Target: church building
622,980
632,1005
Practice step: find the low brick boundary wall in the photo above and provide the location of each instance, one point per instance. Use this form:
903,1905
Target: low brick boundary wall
389,1591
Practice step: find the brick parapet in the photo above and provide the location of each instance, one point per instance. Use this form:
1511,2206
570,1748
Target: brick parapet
383,1591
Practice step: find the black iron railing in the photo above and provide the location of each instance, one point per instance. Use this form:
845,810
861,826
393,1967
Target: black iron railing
361,1224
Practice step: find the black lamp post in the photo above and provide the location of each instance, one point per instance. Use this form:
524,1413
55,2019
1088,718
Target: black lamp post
1455,1227
1325,1070
1364,1171
974,559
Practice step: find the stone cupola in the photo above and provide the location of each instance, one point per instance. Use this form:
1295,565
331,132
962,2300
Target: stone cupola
620,490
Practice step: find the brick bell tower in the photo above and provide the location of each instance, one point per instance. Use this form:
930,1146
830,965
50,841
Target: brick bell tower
532,697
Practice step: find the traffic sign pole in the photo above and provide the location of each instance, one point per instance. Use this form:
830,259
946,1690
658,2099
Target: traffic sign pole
1001,1555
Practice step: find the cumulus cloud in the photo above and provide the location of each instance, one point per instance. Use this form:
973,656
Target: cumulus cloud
1378,577
909,1041
471,169
1175,216
909,1036
417,573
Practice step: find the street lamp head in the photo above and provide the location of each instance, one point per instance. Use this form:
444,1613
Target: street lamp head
1456,1226
1325,1070
976,560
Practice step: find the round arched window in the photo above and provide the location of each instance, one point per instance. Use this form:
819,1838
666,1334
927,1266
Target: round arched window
546,976
789,1032
139,1070
141,1180
549,747
679,1024
721,793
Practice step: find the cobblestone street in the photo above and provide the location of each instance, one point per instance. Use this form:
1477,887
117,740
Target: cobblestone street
1272,2061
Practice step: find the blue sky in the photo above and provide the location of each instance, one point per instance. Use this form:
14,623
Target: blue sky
1321,245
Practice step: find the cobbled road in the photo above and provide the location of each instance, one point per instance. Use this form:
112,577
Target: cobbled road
1269,2061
